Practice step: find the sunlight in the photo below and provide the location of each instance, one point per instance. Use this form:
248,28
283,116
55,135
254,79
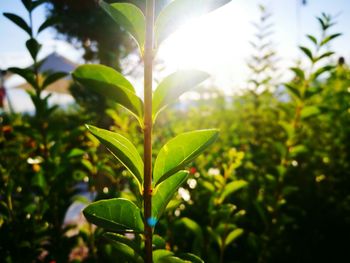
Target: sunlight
211,43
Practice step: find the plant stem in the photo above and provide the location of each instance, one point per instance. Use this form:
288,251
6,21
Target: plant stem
148,76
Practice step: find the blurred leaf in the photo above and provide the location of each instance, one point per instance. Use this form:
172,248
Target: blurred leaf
178,12
19,22
181,150
27,74
329,38
173,86
197,231
111,84
232,187
309,111
130,17
122,149
158,242
307,52
312,38
216,238
53,78
48,23
299,72
293,89
33,47
116,215
165,191
75,152
232,236
324,55
320,71
191,258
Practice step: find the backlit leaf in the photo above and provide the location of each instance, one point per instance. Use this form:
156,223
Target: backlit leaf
116,215
165,191
33,47
232,236
112,85
310,111
173,86
181,150
130,17
232,187
122,149
53,78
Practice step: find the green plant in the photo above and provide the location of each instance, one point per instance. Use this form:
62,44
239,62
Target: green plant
156,183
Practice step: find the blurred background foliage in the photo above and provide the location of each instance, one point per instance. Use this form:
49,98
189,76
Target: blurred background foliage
274,188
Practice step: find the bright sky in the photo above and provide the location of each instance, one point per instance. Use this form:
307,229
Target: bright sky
216,43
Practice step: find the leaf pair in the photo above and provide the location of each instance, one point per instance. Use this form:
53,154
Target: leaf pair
178,12
113,85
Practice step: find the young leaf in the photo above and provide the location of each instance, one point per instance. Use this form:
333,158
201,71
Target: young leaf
53,78
173,86
111,84
165,191
116,215
324,55
307,52
161,253
320,71
33,47
19,22
122,149
181,150
130,17
312,38
293,89
232,187
329,38
179,12
233,236
191,258
49,22
310,111
27,74
299,73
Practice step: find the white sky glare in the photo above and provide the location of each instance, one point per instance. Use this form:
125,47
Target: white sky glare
217,43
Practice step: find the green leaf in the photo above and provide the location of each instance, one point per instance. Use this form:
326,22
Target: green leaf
195,228
125,253
299,72
123,239
232,187
116,215
324,55
165,191
122,149
19,22
181,150
166,256
173,86
27,74
233,236
312,38
320,71
178,12
329,38
33,47
293,89
48,23
191,258
215,236
310,111
130,17
111,84
307,52
53,78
